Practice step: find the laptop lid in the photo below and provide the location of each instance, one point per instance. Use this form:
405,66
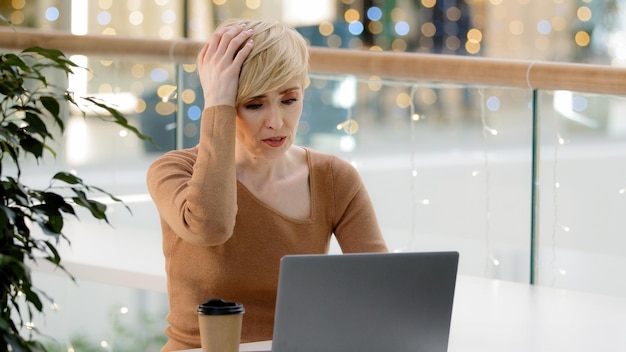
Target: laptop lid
365,302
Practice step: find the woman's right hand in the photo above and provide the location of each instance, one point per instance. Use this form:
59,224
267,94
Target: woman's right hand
219,64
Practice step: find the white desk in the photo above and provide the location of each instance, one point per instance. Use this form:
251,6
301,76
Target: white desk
492,315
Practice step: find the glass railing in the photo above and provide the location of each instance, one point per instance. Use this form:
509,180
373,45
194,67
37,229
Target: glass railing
519,166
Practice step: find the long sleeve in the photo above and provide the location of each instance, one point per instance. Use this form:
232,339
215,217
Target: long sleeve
356,224
195,190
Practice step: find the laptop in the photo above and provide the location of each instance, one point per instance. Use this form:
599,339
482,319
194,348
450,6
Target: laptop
365,302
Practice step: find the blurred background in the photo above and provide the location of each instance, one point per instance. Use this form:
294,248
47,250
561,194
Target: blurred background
448,166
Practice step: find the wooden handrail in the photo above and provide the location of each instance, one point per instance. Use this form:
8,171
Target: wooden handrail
386,65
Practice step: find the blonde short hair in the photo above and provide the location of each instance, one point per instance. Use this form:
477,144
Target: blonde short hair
280,54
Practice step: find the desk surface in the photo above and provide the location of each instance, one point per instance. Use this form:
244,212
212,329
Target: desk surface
492,315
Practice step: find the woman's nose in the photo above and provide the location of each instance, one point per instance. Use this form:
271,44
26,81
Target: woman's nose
274,118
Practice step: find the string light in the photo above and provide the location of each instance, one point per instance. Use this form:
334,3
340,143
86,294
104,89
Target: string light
495,261
486,129
490,130
414,172
347,143
559,141
349,126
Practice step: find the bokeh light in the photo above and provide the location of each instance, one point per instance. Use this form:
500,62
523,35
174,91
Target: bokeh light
334,41
429,29
52,13
355,28
544,27
428,96
104,18
352,15
580,103
168,17
453,14
582,38
105,4
402,28
159,75
253,4
516,27
18,4
374,13
189,96
584,13
17,17
493,103
326,28
429,3
474,35
403,100
375,83
375,27
136,18
194,113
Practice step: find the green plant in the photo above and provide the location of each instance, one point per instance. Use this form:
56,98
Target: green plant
31,109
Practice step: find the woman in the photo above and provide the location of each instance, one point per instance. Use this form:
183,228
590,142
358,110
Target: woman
245,196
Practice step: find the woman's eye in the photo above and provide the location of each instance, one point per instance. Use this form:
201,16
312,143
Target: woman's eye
290,101
253,106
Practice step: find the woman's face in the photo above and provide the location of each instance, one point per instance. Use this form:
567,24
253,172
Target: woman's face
267,123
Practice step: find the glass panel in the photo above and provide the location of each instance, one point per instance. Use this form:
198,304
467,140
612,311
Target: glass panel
447,167
88,316
583,192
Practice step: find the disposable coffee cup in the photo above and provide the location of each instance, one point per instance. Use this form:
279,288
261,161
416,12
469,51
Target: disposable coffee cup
220,325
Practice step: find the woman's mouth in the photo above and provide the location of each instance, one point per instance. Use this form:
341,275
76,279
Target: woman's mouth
275,141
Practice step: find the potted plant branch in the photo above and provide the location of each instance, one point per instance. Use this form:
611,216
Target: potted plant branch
31,118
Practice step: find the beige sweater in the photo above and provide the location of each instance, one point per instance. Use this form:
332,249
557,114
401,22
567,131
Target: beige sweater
220,241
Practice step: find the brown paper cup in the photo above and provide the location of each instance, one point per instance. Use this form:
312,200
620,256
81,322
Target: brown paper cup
220,325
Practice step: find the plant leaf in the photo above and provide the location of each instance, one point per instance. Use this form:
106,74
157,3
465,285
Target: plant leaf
67,178
52,105
36,124
118,118
33,146
57,202
97,209
55,56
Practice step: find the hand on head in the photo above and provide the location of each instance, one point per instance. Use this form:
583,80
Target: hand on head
219,64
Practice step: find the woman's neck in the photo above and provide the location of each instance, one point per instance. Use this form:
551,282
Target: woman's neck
252,168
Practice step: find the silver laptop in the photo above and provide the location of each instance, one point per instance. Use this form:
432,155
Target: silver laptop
365,302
